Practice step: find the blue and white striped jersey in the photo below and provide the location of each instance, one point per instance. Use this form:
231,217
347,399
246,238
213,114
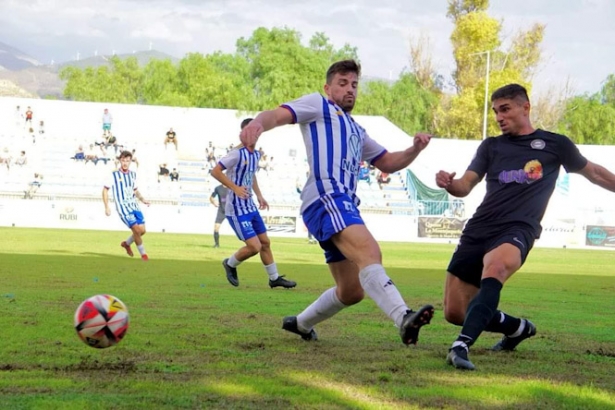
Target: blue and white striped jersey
240,165
123,185
335,146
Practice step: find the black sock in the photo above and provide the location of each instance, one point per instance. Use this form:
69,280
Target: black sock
217,238
481,310
502,323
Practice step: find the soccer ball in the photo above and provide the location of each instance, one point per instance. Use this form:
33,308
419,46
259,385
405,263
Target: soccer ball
101,321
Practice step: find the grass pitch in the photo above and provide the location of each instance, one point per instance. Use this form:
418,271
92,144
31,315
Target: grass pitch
196,342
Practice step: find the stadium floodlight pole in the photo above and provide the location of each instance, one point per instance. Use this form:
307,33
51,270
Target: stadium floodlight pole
486,108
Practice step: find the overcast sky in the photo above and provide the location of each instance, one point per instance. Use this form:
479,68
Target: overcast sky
579,45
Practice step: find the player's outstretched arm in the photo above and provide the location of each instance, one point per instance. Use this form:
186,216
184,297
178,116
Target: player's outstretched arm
599,175
457,187
264,121
395,161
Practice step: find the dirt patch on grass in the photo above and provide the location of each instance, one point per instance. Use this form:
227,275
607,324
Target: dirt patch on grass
124,366
602,352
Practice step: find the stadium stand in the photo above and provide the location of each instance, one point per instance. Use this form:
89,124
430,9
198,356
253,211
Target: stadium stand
69,125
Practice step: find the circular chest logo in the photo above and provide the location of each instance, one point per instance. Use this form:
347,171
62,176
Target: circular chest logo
538,144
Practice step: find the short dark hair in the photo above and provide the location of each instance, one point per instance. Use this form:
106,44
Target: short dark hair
125,154
245,122
343,67
510,92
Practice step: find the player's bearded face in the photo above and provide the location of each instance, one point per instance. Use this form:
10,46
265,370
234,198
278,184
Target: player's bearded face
343,90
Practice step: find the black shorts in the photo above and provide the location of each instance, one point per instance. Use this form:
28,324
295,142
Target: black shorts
467,260
220,217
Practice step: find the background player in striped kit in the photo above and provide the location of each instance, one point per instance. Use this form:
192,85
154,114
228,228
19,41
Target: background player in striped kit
241,165
125,194
335,146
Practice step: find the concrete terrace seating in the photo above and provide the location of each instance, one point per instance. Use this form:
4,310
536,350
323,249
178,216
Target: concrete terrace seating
143,128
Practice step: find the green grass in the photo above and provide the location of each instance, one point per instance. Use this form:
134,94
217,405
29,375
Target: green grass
196,342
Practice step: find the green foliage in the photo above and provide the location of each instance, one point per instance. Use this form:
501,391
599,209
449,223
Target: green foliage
281,68
405,103
590,119
270,67
607,93
587,120
459,8
475,34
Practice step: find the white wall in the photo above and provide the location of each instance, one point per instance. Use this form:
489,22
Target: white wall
564,221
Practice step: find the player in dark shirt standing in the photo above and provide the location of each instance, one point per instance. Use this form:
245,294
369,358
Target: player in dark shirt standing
220,191
521,166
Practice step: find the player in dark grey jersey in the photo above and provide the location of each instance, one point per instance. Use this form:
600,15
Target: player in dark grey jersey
521,167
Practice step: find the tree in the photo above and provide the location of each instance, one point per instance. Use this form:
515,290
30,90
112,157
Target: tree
160,85
460,8
421,64
405,103
607,93
549,107
281,68
590,119
120,82
476,34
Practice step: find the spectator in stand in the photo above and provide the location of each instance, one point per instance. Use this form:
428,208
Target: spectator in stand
174,175
263,164
33,186
111,141
364,174
91,155
5,157
163,171
270,164
22,159
383,178
134,158
210,153
29,115
107,120
101,143
79,154
171,138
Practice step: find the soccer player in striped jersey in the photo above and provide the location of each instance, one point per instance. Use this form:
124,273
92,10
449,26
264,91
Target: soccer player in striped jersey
335,146
123,184
241,165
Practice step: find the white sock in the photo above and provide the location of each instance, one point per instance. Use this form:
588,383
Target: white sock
383,291
233,262
323,308
141,249
130,240
460,343
272,271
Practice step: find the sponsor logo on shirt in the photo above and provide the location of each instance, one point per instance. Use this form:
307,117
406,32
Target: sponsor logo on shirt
531,172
